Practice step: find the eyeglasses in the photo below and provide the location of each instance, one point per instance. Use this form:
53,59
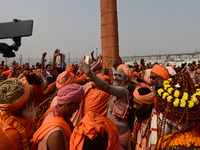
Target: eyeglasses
118,74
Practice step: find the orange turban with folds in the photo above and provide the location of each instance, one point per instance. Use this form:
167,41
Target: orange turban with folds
126,69
146,98
11,89
66,77
161,71
92,126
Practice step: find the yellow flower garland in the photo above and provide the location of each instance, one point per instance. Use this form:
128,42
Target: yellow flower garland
167,91
186,139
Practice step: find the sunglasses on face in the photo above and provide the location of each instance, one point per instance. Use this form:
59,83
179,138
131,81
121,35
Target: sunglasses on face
117,74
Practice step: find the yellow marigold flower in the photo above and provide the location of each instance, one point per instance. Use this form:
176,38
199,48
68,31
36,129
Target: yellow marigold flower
196,85
197,90
190,104
170,90
164,95
183,103
165,82
170,79
166,86
185,96
176,93
195,100
169,99
176,102
160,91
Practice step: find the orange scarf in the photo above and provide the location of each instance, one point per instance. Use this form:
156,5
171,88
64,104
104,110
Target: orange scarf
48,126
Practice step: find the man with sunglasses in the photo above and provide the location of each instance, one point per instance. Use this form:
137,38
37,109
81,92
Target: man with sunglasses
118,103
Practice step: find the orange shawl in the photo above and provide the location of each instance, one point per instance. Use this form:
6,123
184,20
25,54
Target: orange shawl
92,126
95,100
48,126
10,138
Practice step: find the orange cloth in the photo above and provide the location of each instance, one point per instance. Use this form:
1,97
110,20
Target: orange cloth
49,89
103,77
126,69
70,69
37,90
95,100
19,102
50,125
161,71
7,72
66,77
92,126
9,136
82,76
147,99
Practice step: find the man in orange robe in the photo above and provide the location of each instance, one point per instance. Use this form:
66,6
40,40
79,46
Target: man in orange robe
95,132
56,127
17,115
96,100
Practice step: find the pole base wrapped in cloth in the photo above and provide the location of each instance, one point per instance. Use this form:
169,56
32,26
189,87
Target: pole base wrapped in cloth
178,101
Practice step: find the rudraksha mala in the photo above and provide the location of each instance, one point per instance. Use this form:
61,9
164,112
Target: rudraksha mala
184,116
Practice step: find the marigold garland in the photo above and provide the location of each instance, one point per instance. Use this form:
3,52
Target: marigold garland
186,139
172,95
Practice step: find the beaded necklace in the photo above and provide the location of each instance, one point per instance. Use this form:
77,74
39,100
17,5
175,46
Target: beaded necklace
7,117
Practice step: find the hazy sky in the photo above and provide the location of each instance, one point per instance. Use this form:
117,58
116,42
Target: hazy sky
74,26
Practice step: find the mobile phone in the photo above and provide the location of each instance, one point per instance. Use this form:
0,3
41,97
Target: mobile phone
86,59
16,29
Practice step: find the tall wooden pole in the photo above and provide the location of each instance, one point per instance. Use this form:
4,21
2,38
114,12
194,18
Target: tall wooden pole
109,33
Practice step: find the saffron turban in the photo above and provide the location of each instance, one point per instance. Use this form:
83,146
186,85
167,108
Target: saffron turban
126,69
146,98
13,94
64,78
171,71
93,126
161,71
104,77
70,93
147,76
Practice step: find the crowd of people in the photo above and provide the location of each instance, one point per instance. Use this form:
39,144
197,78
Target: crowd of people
82,107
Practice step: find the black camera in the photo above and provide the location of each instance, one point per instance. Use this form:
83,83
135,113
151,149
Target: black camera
14,30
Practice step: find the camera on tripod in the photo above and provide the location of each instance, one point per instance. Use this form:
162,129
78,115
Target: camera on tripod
14,30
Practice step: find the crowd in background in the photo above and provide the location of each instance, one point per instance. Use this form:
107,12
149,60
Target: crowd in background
81,106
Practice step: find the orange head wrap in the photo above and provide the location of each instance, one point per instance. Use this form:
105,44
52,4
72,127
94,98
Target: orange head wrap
103,77
64,78
126,69
92,126
146,98
13,94
161,71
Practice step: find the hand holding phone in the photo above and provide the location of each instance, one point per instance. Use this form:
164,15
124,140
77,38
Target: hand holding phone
87,59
